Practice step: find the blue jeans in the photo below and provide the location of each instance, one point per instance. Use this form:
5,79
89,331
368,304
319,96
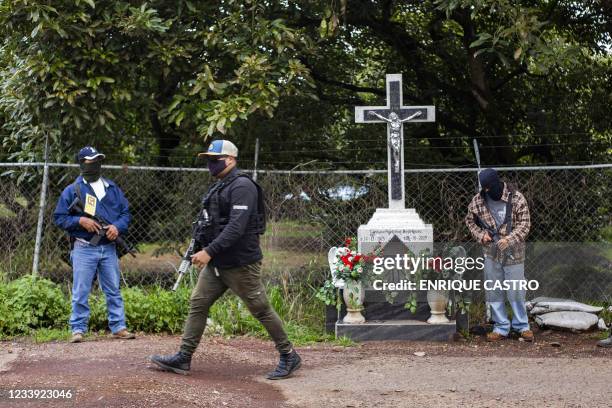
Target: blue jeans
520,322
87,260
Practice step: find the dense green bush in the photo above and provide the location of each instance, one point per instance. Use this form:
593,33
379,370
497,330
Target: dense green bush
29,303
4,309
154,310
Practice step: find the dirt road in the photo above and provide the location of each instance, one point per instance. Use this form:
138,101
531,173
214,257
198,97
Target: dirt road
229,372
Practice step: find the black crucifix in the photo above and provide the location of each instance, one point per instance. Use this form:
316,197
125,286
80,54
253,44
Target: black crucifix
395,114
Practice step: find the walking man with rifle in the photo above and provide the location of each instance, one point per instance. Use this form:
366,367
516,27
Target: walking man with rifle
498,218
226,240
94,212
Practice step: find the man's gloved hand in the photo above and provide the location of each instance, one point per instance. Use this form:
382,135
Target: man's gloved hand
89,225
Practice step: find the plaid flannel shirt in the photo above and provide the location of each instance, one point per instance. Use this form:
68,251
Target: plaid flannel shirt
520,226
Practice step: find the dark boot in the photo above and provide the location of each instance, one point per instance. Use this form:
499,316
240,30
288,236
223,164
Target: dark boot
179,363
288,364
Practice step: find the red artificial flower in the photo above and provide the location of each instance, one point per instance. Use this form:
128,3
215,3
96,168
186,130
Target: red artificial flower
347,241
346,261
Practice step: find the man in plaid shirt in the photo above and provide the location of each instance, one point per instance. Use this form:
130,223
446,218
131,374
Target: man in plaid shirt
501,228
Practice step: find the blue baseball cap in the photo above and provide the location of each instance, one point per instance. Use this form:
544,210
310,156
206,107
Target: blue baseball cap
221,148
89,153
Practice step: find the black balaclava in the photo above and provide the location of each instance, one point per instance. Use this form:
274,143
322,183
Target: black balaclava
489,179
91,171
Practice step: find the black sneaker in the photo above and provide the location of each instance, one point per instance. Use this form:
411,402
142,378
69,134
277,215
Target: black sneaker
179,363
288,364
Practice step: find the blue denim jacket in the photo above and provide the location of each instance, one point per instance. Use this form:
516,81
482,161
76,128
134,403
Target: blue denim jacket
113,208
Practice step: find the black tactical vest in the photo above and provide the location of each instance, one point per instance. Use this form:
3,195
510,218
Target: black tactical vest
257,221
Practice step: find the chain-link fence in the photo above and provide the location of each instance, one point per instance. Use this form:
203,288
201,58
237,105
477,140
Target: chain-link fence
308,212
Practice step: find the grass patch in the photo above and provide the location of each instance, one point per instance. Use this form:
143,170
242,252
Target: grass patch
148,248
605,314
292,229
42,335
344,342
275,259
45,335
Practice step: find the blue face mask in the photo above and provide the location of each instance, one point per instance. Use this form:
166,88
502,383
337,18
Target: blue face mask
216,166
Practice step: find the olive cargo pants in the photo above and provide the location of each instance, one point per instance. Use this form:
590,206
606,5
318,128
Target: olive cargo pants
244,281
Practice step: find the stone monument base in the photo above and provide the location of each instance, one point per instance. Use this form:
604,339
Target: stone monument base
396,330
402,225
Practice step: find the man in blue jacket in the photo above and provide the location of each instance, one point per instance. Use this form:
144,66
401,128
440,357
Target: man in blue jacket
103,198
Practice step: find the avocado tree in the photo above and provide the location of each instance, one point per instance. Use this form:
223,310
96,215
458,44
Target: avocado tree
140,77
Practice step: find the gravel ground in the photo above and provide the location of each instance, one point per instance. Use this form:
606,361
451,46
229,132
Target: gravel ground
229,372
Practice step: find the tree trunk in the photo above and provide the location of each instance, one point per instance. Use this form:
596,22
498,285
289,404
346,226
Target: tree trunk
481,91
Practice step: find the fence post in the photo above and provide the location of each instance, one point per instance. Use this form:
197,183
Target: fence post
477,154
41,210
256,159
488,311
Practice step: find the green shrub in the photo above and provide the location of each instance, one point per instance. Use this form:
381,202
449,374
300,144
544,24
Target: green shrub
5,313
234,318
278,302
29,303
154,310
97,311
44,335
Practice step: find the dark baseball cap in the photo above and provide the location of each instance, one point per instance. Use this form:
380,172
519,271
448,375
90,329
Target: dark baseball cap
89,153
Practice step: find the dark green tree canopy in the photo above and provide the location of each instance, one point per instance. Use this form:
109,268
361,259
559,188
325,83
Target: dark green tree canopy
150,82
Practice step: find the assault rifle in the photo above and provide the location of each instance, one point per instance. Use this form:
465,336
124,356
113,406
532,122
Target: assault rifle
124,248
198,241
495,237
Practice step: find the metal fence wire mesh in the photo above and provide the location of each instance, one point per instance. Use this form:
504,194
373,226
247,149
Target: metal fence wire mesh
308,212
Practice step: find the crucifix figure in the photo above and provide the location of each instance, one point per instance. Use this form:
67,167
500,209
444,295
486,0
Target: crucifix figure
395,115
394,136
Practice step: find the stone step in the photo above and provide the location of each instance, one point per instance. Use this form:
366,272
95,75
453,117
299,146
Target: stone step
396,330
379,309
